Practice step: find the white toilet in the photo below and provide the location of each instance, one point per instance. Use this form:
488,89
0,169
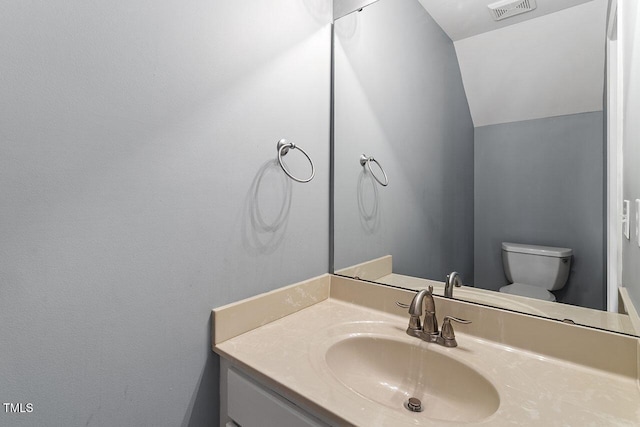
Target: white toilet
533,270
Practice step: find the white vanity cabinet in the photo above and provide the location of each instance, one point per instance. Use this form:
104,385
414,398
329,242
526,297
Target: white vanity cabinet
246,403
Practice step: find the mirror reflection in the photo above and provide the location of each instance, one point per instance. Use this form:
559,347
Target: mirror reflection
492,137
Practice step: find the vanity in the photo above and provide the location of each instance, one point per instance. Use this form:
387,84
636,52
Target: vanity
429,174
334,351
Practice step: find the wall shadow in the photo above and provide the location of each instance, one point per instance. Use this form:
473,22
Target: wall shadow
204,407
368,202
266,209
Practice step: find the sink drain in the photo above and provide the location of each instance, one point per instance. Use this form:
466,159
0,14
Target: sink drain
413,404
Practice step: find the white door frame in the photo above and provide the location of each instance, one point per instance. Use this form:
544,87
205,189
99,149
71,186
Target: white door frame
614,156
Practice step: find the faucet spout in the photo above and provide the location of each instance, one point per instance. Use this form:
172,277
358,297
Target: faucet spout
453,279
430,326
415,309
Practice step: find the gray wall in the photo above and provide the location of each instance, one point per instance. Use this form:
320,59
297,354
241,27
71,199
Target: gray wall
139,191
631,146
541,182
399,97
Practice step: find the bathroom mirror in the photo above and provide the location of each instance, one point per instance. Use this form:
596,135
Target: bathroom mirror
487,131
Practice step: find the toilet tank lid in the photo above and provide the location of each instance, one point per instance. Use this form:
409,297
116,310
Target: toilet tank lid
537,250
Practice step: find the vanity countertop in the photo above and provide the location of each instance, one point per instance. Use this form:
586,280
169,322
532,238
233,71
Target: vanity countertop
534,389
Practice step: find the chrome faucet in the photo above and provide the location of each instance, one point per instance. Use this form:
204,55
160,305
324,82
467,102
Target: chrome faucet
422,298
429,330
453,279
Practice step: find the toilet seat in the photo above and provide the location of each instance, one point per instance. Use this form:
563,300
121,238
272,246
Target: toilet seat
528,291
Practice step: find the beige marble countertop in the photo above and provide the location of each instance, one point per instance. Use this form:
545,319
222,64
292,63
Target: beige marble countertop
534,390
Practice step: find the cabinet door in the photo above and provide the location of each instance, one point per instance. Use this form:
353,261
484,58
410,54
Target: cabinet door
250,405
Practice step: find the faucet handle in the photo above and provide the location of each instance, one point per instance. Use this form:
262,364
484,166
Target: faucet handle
448,336
455,319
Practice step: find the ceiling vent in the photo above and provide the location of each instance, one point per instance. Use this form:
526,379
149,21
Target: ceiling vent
508,8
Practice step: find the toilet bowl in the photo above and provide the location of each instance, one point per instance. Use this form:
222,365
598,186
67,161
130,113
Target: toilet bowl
533,271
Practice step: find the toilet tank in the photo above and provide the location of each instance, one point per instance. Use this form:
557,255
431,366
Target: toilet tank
544,266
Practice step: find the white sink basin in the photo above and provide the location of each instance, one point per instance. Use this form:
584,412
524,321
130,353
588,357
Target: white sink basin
390,371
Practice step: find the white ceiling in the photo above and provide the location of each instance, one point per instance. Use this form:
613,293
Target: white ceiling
544,67
465,18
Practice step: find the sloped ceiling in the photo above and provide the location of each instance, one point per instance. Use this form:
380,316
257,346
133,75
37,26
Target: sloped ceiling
466,18
538,65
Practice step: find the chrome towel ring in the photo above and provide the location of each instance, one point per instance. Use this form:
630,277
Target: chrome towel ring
366,160
283,149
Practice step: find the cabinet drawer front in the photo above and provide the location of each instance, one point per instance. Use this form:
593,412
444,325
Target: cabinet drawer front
250,405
